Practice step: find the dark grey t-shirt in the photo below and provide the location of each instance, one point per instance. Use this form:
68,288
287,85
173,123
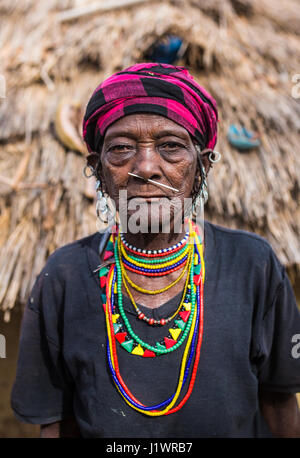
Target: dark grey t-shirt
250,323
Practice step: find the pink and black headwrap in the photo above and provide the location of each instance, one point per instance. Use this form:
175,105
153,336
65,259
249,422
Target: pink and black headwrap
152,88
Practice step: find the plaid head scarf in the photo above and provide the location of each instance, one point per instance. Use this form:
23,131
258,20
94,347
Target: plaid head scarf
151,88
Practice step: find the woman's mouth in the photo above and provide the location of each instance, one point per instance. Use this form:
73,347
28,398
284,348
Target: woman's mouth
147,198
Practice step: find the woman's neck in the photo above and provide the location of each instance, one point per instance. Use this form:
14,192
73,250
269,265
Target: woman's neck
148,241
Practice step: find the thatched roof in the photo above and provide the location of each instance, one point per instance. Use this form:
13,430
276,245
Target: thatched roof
244,52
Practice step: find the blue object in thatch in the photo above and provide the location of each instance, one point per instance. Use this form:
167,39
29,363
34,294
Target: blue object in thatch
241,138
167,50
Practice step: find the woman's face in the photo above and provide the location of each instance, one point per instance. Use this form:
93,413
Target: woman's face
152,147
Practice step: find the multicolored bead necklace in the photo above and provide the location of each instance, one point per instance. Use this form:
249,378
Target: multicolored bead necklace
148,270
187,327
152,267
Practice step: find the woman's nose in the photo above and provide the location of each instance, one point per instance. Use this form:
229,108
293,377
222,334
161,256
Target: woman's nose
147,162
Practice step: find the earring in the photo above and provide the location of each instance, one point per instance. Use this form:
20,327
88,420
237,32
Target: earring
88,167
101,203
214,157
203,193
203,189
202,196
103,210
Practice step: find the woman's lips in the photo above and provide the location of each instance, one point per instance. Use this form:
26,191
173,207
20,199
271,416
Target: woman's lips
147,198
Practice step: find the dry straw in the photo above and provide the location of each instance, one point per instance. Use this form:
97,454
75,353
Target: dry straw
244,52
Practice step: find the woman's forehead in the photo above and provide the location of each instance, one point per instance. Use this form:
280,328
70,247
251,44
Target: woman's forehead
145,123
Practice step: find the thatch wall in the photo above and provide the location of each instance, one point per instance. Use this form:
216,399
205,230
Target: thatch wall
244,52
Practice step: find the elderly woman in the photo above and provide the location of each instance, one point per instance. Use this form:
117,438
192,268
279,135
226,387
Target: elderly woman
147,332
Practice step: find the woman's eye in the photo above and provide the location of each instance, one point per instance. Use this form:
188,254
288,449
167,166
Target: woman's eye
120,148
171,146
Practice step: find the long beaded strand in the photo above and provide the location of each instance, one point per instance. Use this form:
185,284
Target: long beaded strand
198,350
126,393
182,371
140,407
198,316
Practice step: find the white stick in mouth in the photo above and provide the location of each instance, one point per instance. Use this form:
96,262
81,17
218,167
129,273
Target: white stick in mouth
154,182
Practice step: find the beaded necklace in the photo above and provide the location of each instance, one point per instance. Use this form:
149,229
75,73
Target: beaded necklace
155,253
161,266
192,331
184,302
152,267
148,291
169,343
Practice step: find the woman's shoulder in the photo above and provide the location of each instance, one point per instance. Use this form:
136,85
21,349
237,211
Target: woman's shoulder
238,237
247,248
74,254
89,241
68,267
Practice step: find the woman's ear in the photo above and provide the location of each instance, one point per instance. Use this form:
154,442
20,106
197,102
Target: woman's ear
205,159
92,160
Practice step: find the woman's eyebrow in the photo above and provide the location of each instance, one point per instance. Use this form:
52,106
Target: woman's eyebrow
121,133
172,133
